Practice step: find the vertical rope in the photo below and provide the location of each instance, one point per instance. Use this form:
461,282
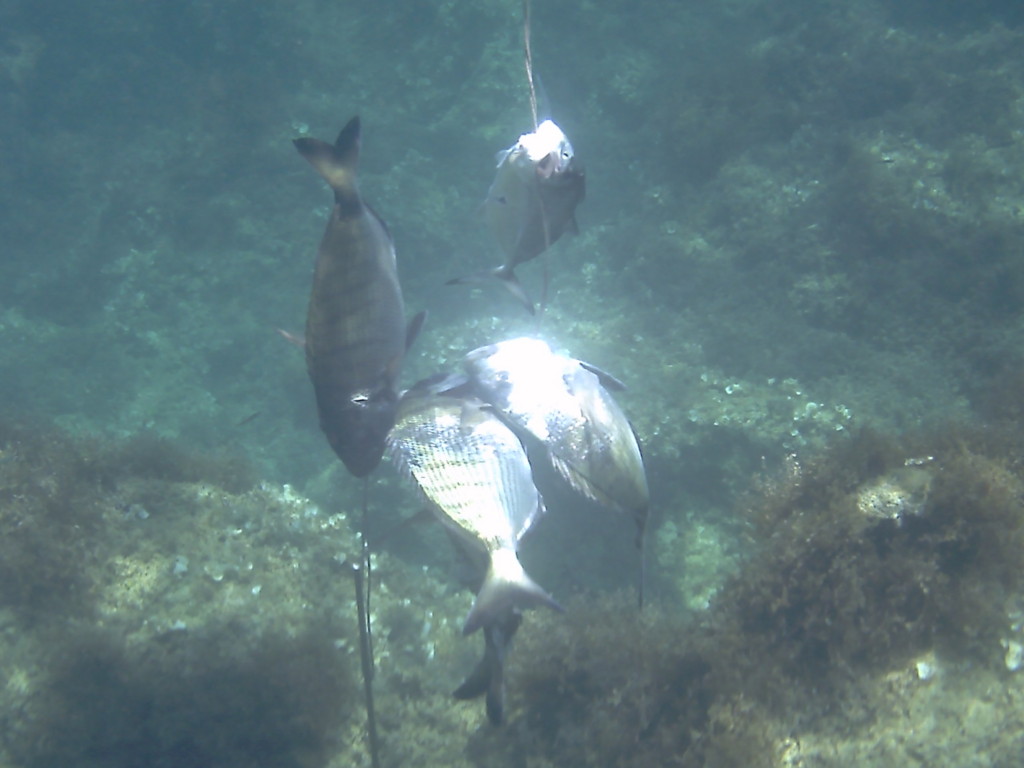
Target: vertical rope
368,564
528,58
362,586
367,662
529,61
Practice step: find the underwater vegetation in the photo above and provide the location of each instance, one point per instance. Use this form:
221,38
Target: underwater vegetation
149,616
116,652
880,550
186,699
803,217
57,495
878,556
48,507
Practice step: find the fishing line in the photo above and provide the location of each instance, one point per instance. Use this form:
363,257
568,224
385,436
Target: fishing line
362,588
544,261
642,577
529,61
368,564
366,657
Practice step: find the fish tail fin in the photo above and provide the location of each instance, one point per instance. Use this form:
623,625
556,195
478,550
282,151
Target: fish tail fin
486,680
488,677
505,587
508,278
478,682
495,700
335,162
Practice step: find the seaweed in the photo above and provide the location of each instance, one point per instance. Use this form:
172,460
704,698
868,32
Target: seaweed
835,590
861,560
202,699
58,494
50,507
606,685
148,455
109,671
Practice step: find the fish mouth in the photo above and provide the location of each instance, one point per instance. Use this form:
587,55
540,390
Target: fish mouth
359,434
555,163
547,166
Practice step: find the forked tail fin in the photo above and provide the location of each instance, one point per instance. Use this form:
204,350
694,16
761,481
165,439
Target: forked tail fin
336,162
506,587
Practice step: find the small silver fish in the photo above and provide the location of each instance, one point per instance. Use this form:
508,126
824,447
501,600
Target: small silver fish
532,201
475,473
565,405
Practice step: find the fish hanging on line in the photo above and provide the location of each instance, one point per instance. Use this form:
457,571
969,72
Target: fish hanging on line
356,335
532,201
474,473
564,406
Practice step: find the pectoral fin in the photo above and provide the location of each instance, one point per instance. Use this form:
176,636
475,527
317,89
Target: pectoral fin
607,380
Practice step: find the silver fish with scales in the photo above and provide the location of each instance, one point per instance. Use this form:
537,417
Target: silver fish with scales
475,473
532,202
564,404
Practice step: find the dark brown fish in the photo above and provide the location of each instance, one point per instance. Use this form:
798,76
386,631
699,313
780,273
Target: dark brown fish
355,329
488,677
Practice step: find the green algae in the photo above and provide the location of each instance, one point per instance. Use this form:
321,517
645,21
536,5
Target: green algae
219,626
833,618
824,194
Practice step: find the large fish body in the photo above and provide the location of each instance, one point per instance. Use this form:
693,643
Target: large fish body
355,328
564,405
475,473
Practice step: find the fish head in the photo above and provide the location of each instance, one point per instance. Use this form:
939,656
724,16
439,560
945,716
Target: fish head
359,432
497,367
482,369
548,149
509,354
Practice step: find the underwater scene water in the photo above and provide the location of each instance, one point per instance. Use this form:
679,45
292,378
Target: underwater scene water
801,249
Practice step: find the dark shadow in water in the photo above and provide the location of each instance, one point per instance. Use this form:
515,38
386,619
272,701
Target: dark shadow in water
216,698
